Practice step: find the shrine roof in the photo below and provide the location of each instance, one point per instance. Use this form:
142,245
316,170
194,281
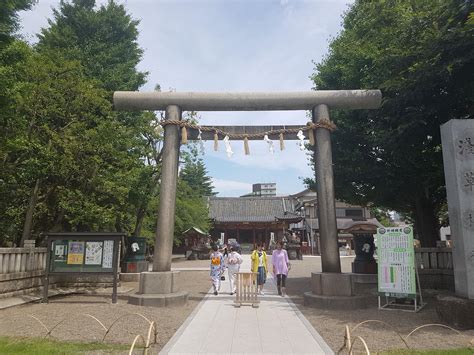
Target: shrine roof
250,209
194,230
348,224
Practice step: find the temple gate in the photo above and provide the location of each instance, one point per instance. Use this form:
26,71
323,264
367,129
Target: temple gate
159,287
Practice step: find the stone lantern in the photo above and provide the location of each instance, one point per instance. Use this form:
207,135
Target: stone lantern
364,247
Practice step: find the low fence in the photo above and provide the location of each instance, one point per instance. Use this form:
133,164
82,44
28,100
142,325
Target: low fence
435,267
21,270
434,258
246,289
14,260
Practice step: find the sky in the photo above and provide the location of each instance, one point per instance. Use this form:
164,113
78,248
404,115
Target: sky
232,46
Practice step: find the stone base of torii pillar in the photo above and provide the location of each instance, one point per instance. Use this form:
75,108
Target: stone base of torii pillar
341,291
159,289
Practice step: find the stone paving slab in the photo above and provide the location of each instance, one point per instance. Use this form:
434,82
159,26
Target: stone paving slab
217,327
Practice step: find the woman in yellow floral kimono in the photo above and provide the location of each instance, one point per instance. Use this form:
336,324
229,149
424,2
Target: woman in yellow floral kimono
217,267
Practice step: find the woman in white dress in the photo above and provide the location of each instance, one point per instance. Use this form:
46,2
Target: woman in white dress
233,265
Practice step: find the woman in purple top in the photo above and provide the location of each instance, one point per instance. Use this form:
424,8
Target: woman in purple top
280,267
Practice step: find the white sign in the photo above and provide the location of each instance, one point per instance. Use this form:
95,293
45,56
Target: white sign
396,262
59,250
93,253
108,254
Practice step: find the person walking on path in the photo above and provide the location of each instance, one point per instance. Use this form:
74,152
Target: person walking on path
281,266
233,266
259,265
217,265
225,256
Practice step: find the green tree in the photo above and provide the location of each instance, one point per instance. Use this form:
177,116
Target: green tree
9,18
194,173
104,40
54,149
191,210
10,56
420,54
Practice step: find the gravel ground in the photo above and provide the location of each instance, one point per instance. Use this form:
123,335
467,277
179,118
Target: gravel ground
76,326
67,316
331,323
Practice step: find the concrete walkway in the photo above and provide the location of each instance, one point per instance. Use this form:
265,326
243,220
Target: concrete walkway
217,327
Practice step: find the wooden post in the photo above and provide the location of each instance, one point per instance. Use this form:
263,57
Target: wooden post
247,289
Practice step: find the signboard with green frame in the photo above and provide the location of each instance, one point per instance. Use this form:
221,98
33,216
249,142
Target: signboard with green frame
82,253
396,262
73,255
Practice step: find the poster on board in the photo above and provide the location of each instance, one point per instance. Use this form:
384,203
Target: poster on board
108,254
75,255
60,251
396,262
93,253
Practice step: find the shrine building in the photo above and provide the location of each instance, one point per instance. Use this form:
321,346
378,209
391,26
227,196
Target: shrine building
255,219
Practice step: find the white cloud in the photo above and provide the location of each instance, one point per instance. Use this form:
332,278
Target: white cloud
231,187
291,158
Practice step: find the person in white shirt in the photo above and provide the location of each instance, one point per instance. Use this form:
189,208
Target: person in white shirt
233,265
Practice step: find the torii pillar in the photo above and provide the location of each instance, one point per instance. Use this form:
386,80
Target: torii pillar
160,287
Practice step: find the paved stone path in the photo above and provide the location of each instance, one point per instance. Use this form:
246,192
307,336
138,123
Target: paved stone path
217,327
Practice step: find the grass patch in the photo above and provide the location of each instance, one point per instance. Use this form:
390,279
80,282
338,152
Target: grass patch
463,351
41,346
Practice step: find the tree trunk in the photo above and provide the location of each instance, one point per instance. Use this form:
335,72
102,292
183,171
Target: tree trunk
142,208
29,213
426,223
118,224
58,222
141,212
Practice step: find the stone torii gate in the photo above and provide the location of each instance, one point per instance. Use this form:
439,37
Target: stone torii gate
160,287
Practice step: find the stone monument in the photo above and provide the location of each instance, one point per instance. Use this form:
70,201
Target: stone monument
457,137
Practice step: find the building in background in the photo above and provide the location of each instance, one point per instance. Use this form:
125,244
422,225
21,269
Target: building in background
349,218
253,219
267,189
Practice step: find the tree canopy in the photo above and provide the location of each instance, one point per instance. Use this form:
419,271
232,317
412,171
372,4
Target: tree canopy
194,173
9,18
68,161
420,54
103,39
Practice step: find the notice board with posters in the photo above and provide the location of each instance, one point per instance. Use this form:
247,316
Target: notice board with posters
75,255
396,262
82,253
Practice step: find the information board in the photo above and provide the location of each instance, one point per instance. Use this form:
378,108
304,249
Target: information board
78,254
396,262
81,255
